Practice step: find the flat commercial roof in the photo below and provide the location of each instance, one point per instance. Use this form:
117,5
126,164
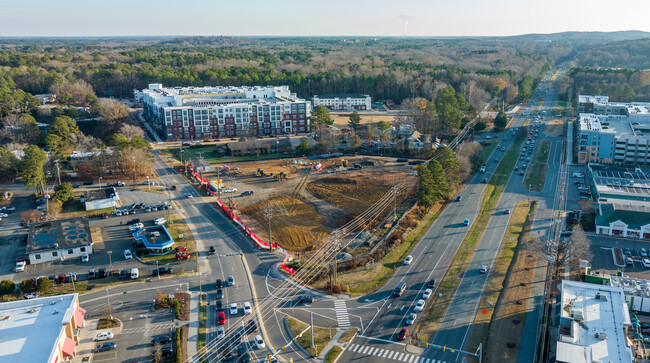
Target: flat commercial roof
602,310
58,234
31,329
628,184
100,194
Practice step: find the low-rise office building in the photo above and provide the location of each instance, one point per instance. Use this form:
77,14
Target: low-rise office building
44,329
100,198
156,239
59,240
343,102
593,323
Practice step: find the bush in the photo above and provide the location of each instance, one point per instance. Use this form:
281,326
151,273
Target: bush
27,285
179,338
7,287
43,284
480,126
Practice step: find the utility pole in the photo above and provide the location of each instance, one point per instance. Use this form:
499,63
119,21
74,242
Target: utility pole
268,213
311,323
219,183
58,173
110,261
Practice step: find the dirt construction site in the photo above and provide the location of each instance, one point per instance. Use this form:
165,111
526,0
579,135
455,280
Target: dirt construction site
306,205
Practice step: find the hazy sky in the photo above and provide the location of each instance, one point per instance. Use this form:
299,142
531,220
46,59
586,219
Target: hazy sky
323,17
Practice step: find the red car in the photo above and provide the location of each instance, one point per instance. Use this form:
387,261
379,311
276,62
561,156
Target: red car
180,249
403,334
221,318
182,256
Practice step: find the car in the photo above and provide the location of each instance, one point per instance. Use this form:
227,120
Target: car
84,258
629,261
231,280
516,168
219,305
88,182
180,248
162,339
645,262
427,293
523,166
431,284
483,269
221,318
403,334
219,293
247,308
251,326
173,187
219,283
136,227
420,305
182,256
212,250
92,274
627,252
159,221
466,222
305,299
188,195
161,271
20,266
154,209
408,260
643,252
411,318
167,351
101,273
76,186
459,198
521,173
484,181
245,358
259,342
133,221
230,190
128,255
221,332
248,192
124,274
233,309
507,211
105,347
106,335
118,213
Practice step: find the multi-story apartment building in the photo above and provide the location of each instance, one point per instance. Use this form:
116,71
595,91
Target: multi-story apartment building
613,132
213,112
343,102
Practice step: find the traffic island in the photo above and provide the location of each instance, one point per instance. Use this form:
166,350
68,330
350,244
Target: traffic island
334,354
322,336
536,175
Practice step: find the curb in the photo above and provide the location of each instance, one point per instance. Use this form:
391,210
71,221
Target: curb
286,327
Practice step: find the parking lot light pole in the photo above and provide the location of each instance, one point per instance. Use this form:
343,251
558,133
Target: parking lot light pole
157,270
148,183
110,261
100,182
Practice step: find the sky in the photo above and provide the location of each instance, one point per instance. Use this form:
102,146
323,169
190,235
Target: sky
317,18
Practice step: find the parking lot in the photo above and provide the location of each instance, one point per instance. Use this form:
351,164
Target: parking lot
603,261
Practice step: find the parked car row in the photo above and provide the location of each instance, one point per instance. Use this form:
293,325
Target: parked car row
135,207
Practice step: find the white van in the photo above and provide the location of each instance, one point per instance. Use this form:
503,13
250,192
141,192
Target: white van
578,175
135,273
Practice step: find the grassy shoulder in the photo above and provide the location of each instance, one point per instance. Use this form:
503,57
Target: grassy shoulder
176,227
458,266
348,335
516,232
362,281
536,175
333,354
321,336
203,318
482,156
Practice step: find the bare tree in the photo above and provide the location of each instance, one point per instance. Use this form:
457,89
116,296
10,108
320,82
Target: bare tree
573,250
130,131
108,109
85,142
31,215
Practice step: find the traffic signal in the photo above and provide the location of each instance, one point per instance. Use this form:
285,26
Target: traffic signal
284,349
268,356
444,348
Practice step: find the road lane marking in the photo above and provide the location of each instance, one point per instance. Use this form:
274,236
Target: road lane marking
379,352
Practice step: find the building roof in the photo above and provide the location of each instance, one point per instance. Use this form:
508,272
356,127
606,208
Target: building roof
637,125
619,183
634,215
58,234
100,194
341,95
259,144
593,309
31,329
149,240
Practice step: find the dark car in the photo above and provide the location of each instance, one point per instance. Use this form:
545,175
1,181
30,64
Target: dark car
251,326
306,299
76,186
124,274
162,271
101,273
212,250
431,284
219,305
219,293
105,346
173,187
88,182
167,351
401,160
162,339
92,274
459,198
245,358
133,221
248,192
484,181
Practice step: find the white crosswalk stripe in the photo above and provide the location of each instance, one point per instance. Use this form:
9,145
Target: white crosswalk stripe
386,352
372,351
412,357
390,354
161,326
401,355
353,347
365,349
341,309
379,352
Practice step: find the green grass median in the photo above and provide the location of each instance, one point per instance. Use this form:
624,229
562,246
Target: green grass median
536,175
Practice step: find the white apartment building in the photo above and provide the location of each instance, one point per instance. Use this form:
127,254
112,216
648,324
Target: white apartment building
343,102
213,112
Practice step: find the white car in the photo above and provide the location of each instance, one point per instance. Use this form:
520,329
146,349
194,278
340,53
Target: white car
247,308
233,309
135,227
106,335
408,260
4,215
645,262
221,333
419,306
118,212
230,190
20,266
128,255
427,293
159,221
643,252
84,258
259,342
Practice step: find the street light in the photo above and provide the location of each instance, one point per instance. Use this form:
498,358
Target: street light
100,182
110,261
148,183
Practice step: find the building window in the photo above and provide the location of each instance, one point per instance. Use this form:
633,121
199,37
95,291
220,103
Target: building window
70,252
82,249
37,257
55,253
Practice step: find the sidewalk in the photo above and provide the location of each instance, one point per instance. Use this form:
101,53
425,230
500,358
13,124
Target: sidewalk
333,342
146,124
193,336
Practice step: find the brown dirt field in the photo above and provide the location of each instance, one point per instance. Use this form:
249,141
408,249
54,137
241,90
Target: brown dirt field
341,119
295,225
555,128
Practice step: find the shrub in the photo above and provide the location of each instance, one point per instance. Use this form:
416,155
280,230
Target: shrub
27,285
179,338
7,287
43,284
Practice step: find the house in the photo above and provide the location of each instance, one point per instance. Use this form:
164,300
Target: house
43,329
59,240
100,198
200,166
416,140
262,146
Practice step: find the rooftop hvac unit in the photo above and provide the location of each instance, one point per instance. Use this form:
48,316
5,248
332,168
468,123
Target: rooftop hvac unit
576,315
601,336
601,297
